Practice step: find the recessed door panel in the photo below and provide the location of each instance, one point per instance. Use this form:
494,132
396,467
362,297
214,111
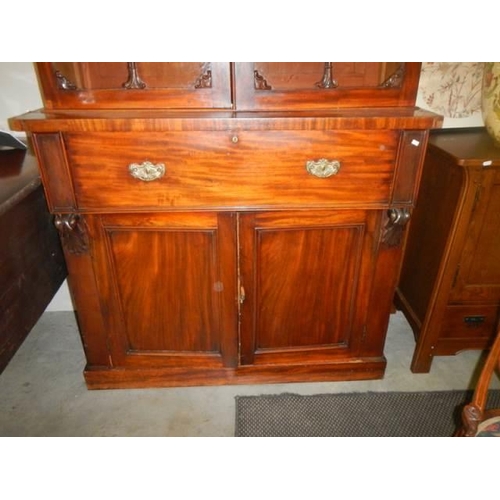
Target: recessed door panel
478,276
170,298
306,280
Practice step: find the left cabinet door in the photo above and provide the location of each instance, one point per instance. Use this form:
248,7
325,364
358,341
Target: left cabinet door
111,85
167,286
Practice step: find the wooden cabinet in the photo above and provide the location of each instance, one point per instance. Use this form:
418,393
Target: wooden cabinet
32,265
257,244
450,282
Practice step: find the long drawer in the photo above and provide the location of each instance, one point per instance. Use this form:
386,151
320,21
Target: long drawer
224,169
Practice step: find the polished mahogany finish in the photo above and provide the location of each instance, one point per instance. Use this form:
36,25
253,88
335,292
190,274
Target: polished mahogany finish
450,281
134,85
286,86
260,243
230,169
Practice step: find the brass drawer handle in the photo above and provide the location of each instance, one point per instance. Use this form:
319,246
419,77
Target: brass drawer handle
146,171
323,168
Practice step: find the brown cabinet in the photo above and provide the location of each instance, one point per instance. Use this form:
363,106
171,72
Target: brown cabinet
119,85
32,264
256,244
450,281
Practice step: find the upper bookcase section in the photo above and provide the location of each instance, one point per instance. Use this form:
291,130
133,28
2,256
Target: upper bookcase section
249,86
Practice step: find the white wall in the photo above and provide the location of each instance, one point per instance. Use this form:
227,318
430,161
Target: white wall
18,90
19,93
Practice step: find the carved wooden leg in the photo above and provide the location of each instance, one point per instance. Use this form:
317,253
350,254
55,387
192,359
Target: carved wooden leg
471,416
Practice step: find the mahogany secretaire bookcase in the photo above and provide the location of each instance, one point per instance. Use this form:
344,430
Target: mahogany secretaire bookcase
230,222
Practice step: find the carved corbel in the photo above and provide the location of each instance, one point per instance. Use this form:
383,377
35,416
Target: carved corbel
392,233
204,81
72,232
63,83
259,82
396,79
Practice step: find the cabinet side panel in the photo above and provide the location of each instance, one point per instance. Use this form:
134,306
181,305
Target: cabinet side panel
430,226
479,276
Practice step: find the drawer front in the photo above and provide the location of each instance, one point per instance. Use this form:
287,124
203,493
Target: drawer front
225,169
469,322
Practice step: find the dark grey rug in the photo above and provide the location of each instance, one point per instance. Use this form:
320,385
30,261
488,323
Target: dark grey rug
377,414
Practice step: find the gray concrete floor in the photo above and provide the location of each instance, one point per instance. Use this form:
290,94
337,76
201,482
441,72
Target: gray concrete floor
42,391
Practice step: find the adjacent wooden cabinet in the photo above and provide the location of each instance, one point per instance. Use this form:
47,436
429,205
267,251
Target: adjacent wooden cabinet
450,282
230,222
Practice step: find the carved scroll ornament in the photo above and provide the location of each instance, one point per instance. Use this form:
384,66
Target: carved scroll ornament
396,79
63,83
72,233
392,233
205,79
259,82
471,417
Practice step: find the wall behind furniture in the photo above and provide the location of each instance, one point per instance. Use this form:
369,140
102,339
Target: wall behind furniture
18,90
450,89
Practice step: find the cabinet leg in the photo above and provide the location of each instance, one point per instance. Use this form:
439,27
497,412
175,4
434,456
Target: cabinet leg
422,360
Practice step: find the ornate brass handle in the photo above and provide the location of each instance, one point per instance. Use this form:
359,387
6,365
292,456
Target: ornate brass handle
323,167
146,171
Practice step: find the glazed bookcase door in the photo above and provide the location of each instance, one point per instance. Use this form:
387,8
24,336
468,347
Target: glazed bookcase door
168,284
305,283
94,85
319,85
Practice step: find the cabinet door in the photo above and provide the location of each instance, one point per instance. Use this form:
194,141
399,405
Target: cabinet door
318,85
305,280
92,85
478,273
167,284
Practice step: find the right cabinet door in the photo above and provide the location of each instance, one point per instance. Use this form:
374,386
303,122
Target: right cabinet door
305,280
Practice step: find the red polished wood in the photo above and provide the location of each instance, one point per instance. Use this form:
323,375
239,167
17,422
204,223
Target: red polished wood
236,265
100,85
450,282
306,277
240,169
296,93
